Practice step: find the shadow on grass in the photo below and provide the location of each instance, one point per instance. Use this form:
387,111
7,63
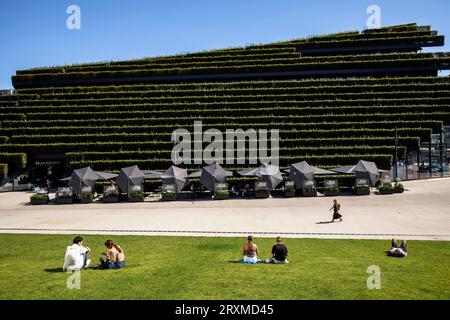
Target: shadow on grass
55,270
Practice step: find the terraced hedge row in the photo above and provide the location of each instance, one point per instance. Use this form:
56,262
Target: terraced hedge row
383,161
194,86
231,61
186,122
290,146
14,160
133,128
216,99
438,63
181,93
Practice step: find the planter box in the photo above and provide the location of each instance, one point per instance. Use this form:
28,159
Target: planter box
330,193
39,201
362,191
222,195
387,191
261,194
168,196
289,193
86,199
306,193
136,199
64,200
110,199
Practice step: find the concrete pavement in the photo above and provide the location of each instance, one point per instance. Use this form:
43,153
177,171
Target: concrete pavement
422,212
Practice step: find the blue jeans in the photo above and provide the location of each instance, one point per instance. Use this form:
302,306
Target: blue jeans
85,258
105,264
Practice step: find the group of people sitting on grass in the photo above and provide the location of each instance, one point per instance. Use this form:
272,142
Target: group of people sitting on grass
251,252
77,256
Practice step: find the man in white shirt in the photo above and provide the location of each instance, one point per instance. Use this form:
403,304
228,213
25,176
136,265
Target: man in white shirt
76,257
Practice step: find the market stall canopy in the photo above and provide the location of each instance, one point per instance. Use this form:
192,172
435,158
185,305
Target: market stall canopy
106,175
151,174
265,173
129,176
302,171
176,176
210,175
84,177
363,170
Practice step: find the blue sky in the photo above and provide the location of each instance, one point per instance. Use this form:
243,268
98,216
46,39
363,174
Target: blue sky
34,32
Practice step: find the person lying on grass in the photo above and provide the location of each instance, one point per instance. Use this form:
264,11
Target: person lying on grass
115,258
76,257
279,252
397,251
250,251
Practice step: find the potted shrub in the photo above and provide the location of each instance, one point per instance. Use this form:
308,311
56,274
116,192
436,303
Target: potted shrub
110,194
168,192
261,190
309,189
386,188
362,187
64,195
86,195
399,188
136,194
330,188
289,189
221,191
39,198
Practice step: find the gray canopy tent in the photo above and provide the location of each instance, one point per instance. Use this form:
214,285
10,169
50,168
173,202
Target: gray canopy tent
176,176
210,175
133,176
267,173
86,177
302,171
363,170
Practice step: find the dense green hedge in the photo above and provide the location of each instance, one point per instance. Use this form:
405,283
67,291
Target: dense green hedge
190,92
271,97
343,65
407,136
277,113
131,127
228,61
119,149
63,144
383,161
254,84
14,160
172,123
3,171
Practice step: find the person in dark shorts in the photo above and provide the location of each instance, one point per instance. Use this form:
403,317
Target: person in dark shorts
336,207
397,251
279,252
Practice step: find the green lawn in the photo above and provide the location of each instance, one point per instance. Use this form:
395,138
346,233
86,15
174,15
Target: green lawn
198,268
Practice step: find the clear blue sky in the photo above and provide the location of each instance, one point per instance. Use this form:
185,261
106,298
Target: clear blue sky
33,33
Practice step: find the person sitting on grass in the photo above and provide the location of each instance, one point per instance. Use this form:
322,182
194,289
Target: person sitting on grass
397,251
115,258
76,257
279,252
250,251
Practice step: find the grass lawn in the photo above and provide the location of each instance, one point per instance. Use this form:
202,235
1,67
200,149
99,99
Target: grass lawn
198,268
